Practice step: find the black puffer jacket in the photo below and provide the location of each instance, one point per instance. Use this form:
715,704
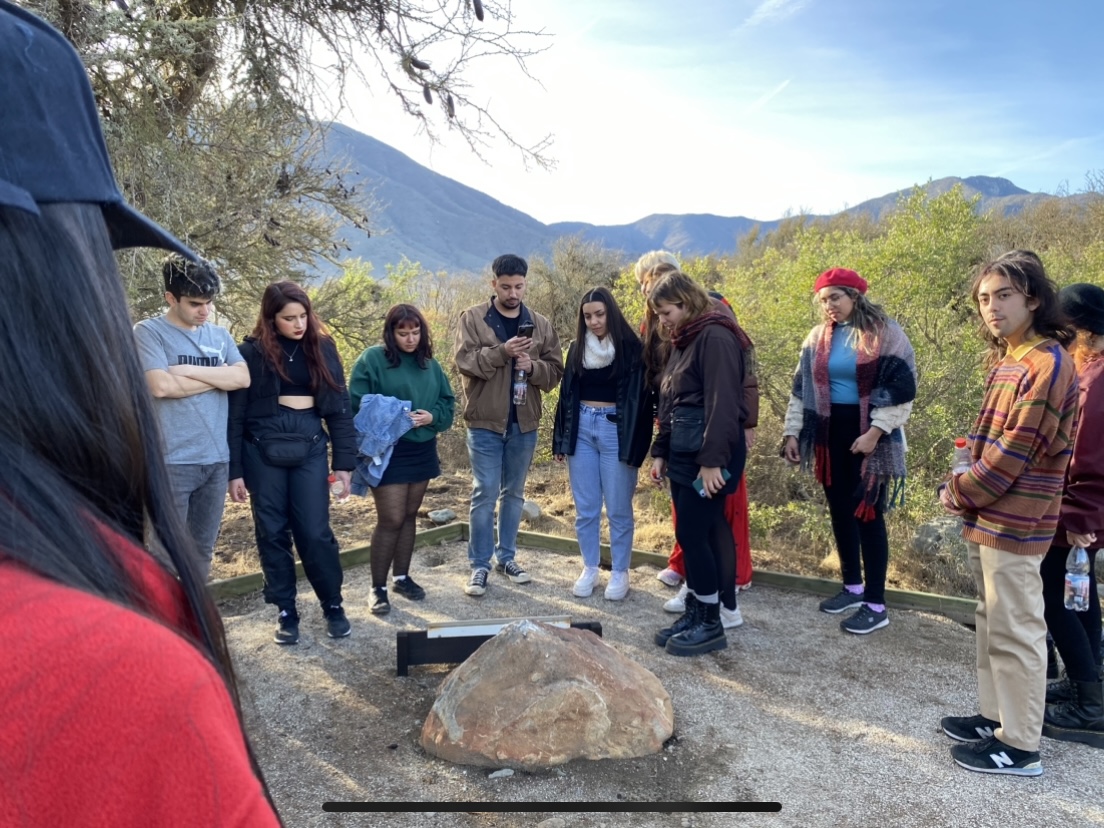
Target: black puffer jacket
260,400
634,414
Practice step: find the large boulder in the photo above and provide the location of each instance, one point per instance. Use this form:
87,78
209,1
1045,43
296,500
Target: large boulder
535,696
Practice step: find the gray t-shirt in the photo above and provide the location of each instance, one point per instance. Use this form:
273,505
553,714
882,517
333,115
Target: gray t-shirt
193,428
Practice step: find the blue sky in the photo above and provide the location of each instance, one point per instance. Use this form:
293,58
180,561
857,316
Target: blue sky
759,107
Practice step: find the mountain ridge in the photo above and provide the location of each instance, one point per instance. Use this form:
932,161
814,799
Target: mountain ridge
445,225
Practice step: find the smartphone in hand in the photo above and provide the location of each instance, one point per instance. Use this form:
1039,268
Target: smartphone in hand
699,484
526,329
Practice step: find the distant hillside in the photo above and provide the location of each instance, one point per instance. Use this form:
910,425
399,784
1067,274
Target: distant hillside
446,225
996,194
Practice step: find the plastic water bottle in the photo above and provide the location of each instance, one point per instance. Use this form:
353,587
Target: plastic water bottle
336,486
1077,579
962,459
521,387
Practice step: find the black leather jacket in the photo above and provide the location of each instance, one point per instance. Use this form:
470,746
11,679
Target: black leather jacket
259,401
634,414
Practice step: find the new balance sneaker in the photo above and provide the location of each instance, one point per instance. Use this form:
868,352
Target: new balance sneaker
477,585
407,588
968,728
586,583
669,577
378,604
731,617
618,586
865,621
288,631
514,572
841,602
994,756
678,603
337,625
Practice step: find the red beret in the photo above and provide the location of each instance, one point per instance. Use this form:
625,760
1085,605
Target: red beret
840,277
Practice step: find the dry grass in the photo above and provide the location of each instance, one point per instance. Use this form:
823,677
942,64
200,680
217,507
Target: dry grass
793,536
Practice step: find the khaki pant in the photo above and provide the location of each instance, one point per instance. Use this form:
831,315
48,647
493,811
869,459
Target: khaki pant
1011,643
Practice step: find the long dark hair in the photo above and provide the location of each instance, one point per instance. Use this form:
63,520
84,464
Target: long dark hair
657,347
275,298
406,314
80,447
624,338
1025,272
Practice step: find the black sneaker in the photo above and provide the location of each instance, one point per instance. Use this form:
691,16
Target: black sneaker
994,756
378,604
337,625
968,728
514,572
841,602
865,621
407,588
288,631
477,584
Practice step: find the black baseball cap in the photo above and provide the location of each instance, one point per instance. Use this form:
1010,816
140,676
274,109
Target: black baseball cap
52,147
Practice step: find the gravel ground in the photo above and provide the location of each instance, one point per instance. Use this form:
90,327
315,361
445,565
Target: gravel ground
841,730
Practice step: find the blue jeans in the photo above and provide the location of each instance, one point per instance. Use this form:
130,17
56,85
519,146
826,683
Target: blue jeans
597,475
500,463
199,495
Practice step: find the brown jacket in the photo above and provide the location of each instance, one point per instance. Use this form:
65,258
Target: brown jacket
487,371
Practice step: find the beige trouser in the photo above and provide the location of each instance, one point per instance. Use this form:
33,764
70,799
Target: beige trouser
1011,643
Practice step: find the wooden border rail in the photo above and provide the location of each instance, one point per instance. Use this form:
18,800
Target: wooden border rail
957,609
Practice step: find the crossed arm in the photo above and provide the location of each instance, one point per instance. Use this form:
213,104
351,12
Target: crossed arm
188,380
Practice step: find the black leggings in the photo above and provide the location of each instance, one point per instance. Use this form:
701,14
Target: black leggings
706,540
396,521
862,544
1076,634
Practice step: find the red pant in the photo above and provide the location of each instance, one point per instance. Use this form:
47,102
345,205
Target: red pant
736,513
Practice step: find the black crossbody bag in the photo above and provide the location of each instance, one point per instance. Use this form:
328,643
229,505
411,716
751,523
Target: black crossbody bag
285,451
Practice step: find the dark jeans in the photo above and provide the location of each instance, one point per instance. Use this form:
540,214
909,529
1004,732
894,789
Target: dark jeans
862,545
294,503
1076,634
199,494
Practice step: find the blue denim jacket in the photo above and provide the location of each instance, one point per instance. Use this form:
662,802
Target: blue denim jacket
380,423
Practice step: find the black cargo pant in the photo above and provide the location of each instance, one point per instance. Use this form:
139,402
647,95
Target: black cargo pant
293,504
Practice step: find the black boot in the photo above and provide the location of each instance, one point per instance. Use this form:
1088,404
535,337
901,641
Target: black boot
1059,691
1079,720
705,636
685,621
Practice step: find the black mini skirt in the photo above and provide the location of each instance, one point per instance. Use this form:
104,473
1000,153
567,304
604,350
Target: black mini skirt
412,463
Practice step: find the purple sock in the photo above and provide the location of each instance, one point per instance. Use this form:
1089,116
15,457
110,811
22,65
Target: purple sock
877,607
854,589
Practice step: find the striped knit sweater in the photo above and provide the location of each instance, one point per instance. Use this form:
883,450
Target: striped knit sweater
1021,443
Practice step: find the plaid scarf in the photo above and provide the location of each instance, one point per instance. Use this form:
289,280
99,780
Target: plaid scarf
886,377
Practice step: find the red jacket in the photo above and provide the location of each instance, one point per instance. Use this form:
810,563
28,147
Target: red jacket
1083,498
112,718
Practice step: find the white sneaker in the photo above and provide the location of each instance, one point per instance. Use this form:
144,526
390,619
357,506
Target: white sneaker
586,583
678,603
742,587
669,577
731,618
618,586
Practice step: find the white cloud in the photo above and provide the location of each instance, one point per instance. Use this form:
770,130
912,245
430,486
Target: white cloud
771,11
763,100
